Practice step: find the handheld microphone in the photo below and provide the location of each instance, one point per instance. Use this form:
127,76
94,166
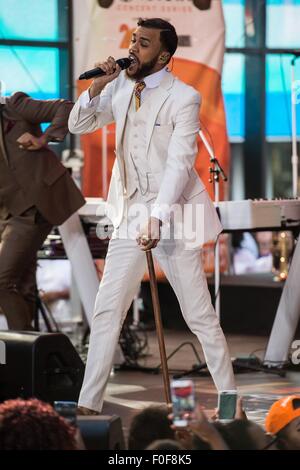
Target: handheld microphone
98,72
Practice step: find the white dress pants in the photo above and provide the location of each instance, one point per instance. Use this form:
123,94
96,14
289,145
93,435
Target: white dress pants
124,268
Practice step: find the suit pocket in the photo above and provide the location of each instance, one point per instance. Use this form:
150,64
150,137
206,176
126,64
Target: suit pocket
51,177
163,129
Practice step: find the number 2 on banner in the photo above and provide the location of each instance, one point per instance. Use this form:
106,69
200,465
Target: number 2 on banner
125,43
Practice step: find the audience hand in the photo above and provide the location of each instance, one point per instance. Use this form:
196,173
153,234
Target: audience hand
206,431
239,414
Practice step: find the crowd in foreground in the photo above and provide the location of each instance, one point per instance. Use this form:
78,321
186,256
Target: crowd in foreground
35,425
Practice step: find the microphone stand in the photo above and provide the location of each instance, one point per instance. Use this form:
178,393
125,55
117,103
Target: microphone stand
215,171
295,158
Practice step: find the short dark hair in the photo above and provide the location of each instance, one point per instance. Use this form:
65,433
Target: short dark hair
149,425
168,35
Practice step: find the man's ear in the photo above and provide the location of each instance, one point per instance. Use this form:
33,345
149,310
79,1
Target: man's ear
164,57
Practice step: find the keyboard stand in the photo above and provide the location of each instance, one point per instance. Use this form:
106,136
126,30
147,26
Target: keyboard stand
287,317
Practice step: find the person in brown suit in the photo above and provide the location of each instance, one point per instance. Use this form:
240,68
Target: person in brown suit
36,193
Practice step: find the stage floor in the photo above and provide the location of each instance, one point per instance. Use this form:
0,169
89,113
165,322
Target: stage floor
129,391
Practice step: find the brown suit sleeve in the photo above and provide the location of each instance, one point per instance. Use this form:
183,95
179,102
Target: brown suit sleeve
39,111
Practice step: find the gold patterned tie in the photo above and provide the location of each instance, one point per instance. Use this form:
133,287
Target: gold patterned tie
139,86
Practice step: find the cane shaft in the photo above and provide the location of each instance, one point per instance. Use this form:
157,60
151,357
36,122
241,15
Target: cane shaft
159,327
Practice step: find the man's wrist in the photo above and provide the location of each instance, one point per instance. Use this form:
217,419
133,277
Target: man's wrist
156,219
94,92
160,213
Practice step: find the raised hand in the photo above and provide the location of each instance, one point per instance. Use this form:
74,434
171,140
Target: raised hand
112,70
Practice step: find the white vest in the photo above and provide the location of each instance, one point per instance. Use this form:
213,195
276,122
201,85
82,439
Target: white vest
137,170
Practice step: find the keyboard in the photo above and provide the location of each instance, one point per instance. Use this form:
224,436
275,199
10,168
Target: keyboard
261,213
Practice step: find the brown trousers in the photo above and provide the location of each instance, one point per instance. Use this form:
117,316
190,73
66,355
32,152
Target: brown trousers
20,238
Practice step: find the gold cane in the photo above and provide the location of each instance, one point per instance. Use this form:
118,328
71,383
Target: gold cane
159,327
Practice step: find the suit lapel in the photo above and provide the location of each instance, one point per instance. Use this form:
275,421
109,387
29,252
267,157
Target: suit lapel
122,102
121,105
155,103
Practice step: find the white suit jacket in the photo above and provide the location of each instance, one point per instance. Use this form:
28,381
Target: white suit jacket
170,148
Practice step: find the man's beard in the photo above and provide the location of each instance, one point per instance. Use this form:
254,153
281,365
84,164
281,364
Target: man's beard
146,69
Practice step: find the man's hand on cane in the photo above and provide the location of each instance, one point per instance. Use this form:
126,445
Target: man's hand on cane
150,234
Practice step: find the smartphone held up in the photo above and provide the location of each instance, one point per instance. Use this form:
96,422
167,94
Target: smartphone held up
67,409
183,400
227,400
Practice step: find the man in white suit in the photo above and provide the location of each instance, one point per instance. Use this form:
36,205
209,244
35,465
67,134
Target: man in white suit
156,201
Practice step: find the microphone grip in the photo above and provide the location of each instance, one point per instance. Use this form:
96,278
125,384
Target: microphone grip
98,72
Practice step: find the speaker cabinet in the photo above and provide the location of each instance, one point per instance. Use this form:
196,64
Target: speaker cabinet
101,432
41,365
